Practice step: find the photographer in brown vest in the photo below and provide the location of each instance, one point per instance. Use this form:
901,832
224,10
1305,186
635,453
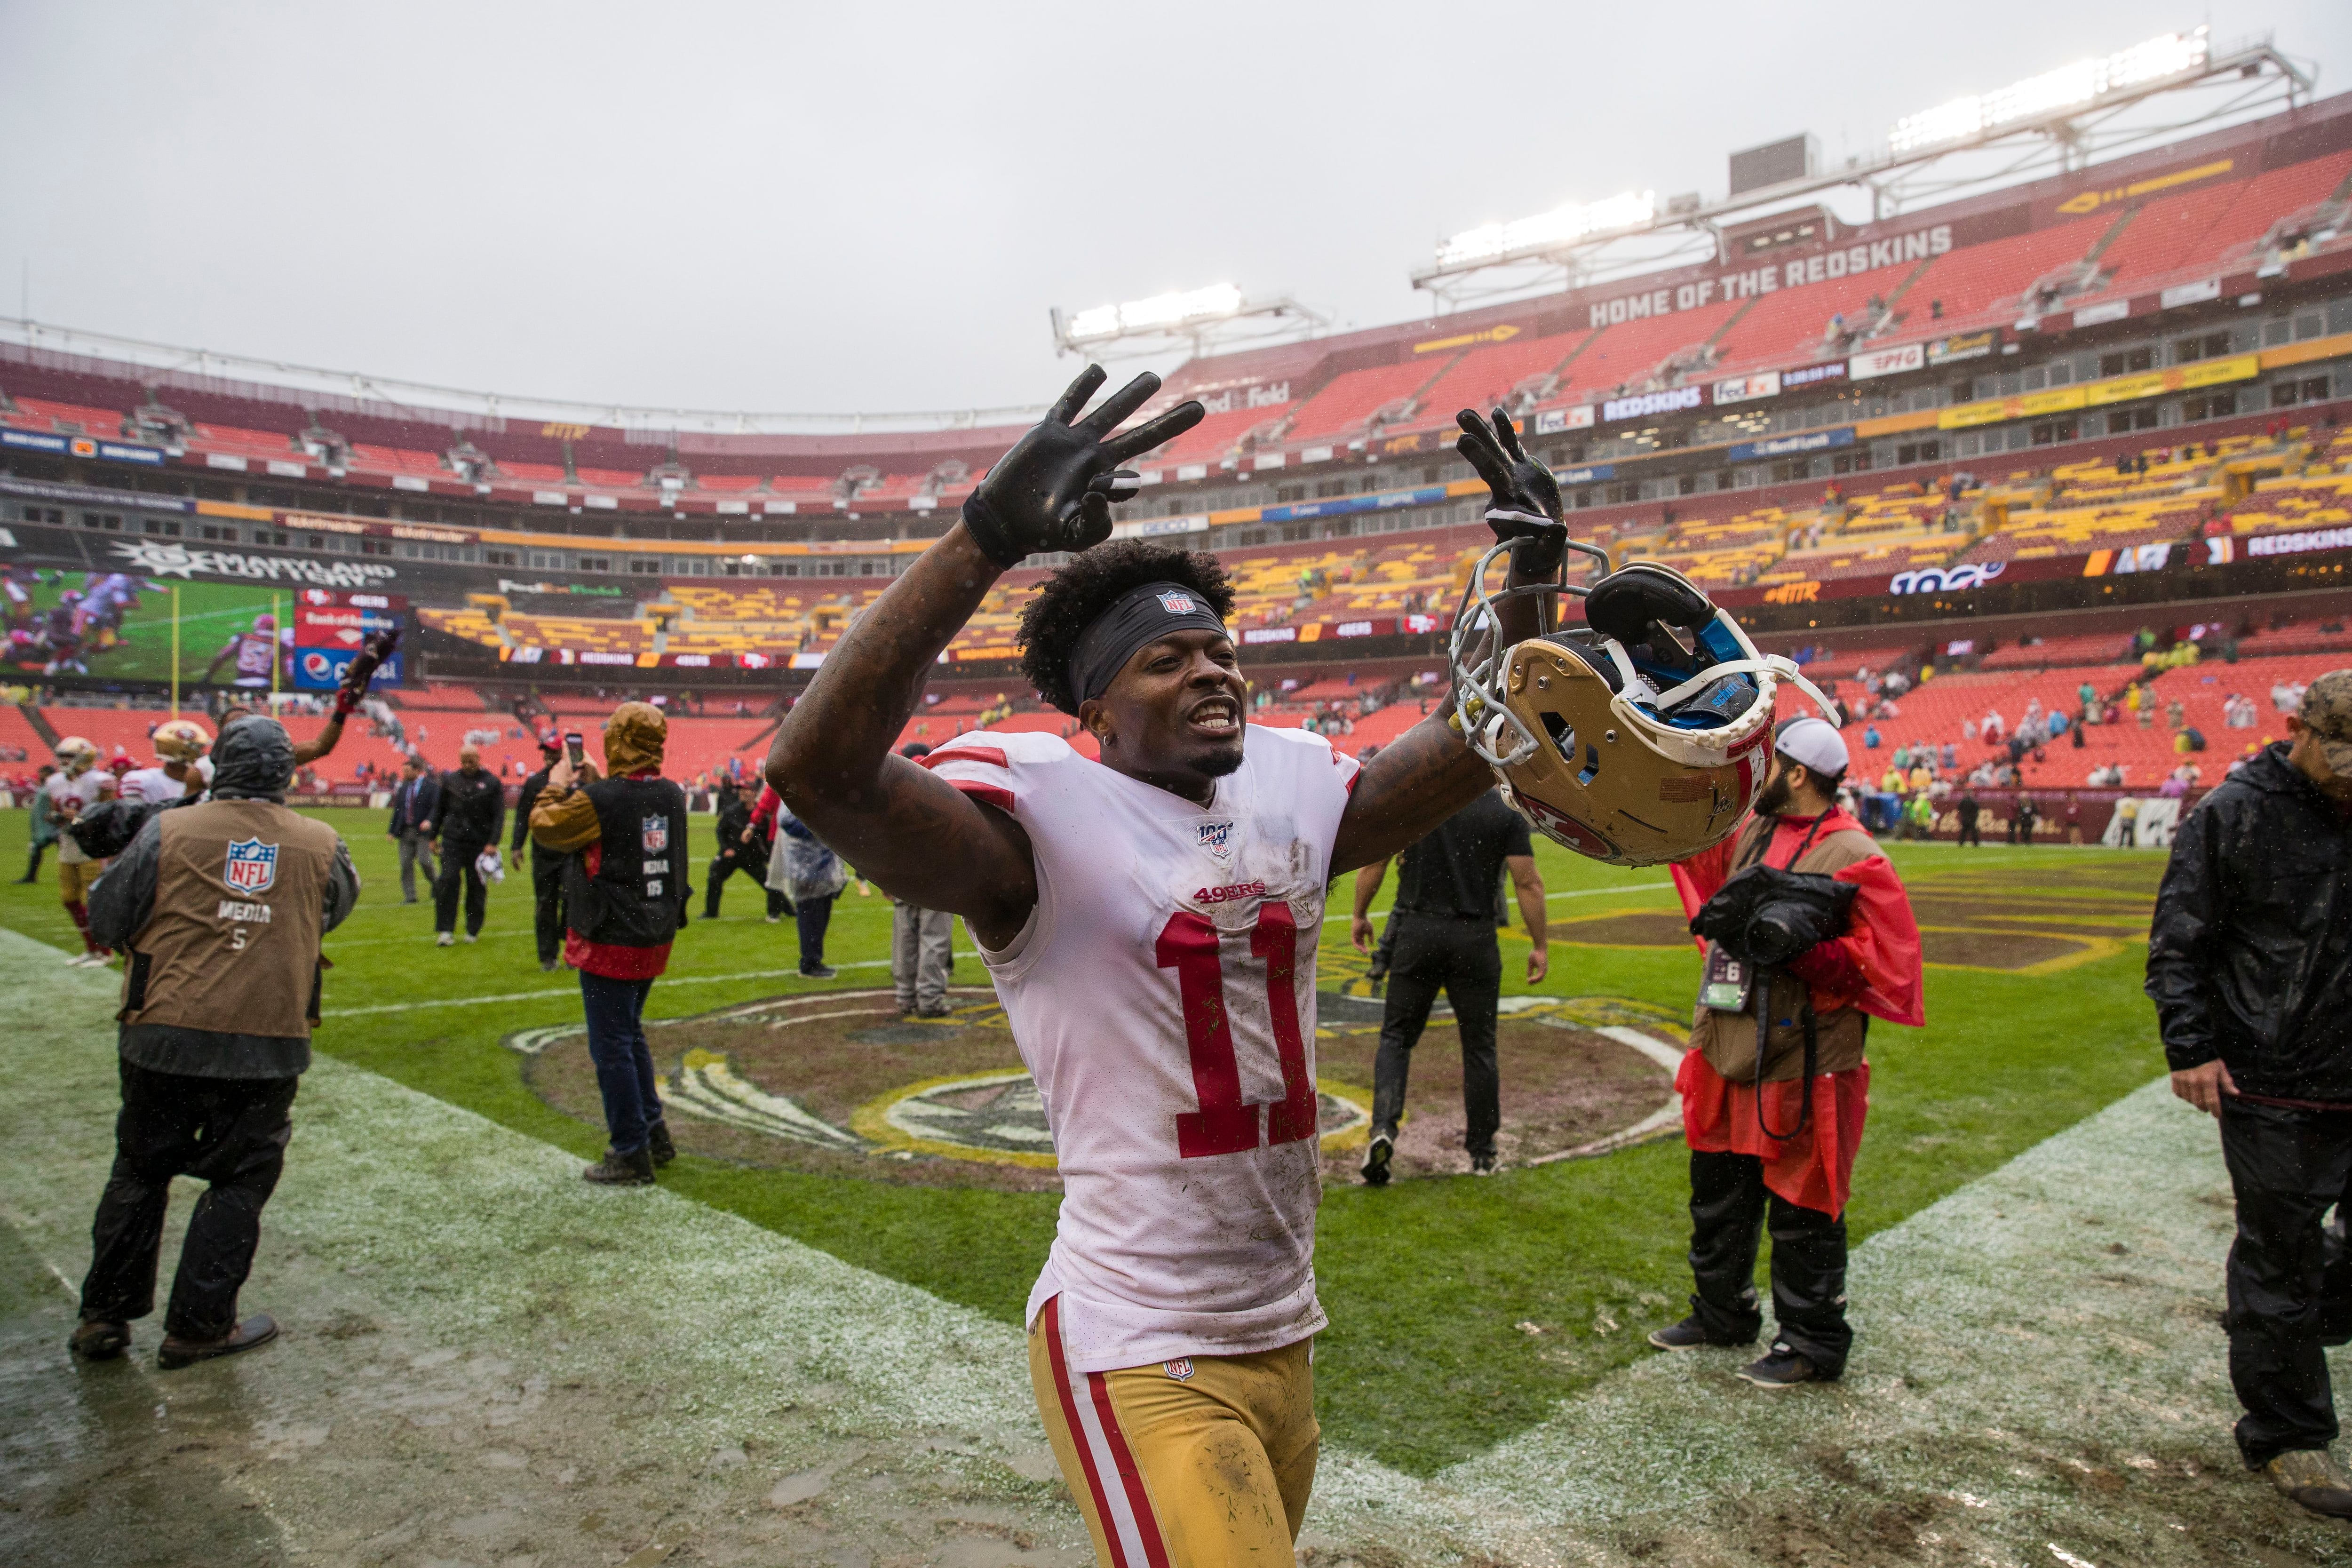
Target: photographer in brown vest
220,907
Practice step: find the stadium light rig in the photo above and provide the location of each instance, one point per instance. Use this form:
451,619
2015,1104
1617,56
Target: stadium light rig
2069,89
1562,225
1157,323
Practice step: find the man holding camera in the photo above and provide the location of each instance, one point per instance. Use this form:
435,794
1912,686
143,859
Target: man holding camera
221,907
1817,962
623,843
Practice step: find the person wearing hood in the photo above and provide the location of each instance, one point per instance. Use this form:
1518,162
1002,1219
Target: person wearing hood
1777,1137
221,906
624,837
2249,965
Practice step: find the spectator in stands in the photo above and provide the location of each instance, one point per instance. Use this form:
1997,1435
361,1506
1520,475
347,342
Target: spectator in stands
922,947
467,814
43,824
1991,729
412,800
624,840
546,866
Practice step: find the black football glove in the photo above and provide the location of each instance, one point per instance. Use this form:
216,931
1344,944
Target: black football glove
372,652
1526,505
1055,490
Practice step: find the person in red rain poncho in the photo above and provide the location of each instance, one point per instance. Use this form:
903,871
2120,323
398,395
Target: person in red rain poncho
1792,1154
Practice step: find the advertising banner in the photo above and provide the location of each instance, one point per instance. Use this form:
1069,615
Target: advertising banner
103,448
1640,405
1887,362
1963,346
323,668
1789,446
1552,421
1747,388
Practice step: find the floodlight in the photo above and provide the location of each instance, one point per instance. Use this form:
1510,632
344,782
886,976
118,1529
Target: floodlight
1162,312
2069,86
1561,226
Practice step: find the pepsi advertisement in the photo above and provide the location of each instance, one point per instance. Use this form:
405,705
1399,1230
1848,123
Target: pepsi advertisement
329,627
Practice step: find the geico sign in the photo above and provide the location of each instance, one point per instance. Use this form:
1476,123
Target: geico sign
1945,579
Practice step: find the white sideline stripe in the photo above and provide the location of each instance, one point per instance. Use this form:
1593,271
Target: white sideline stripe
668,980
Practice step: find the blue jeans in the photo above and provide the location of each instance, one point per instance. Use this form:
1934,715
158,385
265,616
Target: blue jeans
812,915
625,1067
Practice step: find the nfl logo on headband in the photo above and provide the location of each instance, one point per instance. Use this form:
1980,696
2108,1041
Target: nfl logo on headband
1177,603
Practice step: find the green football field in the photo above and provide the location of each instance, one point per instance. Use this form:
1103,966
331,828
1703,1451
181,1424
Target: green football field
1462,1312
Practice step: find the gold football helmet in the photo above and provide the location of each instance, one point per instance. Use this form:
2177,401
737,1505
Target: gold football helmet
1641,737
181,741
76,755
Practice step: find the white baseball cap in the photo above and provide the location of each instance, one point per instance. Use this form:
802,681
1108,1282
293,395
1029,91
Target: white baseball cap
1815,744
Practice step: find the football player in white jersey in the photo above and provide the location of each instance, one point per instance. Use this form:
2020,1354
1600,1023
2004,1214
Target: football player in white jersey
1150,923
179,770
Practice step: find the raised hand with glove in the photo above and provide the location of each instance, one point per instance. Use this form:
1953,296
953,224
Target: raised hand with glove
1053,490
1524,503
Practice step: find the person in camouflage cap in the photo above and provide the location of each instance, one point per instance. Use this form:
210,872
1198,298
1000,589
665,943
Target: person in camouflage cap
2250,964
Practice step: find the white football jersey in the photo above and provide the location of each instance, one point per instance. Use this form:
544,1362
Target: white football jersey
152,784
1162,996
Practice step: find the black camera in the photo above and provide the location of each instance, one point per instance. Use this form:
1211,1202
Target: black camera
1767,916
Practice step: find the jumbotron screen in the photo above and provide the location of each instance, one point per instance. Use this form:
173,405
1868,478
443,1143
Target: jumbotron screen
114,624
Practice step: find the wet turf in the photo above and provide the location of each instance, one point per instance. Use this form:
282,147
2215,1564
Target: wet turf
1426,1281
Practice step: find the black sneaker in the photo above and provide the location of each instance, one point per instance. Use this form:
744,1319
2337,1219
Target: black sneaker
1376,1161
1687,1335
822,971
658,1145
1783,1368
621,1170
99,1341
1482,1165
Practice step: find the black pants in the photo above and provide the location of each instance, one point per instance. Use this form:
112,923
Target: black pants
2290,1282
1461,957
229,1132
813,915
32,863
1730,1208
458,869
547,903
1969,833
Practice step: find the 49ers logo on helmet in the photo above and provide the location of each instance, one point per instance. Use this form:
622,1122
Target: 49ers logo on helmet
1566,828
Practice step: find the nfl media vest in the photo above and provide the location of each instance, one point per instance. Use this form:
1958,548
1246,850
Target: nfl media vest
636,895
232,947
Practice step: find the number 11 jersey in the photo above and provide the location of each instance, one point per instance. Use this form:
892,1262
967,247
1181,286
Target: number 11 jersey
1162,994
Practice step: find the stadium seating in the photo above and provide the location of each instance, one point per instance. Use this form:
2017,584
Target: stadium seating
1988,283
1347,402
1627,354
67,418
1484,377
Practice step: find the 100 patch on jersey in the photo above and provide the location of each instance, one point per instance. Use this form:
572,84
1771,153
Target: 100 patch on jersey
252,866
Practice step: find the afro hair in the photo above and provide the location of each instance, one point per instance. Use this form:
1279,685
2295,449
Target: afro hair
1071,599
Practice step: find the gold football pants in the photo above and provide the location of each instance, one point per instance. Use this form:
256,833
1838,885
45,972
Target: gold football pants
1196,1463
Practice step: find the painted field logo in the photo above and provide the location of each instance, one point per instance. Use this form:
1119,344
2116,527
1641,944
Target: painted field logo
252,866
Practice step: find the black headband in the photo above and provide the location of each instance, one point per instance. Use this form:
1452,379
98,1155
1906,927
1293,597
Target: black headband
1138,617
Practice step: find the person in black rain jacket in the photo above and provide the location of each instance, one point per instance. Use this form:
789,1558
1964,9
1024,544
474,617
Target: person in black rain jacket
2249,965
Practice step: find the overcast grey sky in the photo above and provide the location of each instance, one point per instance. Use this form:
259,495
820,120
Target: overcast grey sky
792,207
